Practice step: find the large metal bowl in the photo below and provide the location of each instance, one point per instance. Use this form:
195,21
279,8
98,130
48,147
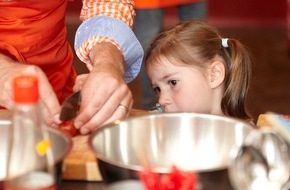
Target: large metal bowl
61,145
197,143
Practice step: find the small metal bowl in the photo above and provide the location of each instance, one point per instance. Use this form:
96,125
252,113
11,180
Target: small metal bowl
61,145
198,143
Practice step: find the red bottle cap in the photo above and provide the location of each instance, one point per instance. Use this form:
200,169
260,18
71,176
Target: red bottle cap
25,89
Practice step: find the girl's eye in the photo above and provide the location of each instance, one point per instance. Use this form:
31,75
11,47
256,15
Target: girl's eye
172,82
156,90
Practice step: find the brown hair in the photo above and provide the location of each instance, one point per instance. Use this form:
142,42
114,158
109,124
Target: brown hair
196,43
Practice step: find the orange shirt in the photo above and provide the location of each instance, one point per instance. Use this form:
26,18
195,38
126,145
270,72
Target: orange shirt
34,32
148,4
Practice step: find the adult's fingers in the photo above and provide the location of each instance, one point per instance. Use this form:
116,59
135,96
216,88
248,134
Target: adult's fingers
110,111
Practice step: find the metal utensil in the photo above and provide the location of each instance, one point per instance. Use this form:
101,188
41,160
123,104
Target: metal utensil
262,162
276,152
70,106
249,169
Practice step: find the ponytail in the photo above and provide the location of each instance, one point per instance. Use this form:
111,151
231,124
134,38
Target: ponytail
238,63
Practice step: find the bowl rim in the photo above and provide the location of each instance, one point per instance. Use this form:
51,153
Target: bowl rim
66,137
135,167
6,120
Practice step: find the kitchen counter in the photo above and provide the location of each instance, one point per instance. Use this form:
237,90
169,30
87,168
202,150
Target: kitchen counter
81,185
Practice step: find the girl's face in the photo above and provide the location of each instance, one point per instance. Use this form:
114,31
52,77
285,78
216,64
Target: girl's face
182,88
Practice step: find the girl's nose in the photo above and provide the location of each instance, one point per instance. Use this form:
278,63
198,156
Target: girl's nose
164,99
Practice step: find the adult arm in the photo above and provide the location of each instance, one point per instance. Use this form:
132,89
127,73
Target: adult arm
112,53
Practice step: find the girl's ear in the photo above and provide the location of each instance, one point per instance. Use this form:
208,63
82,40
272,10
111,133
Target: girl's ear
217,73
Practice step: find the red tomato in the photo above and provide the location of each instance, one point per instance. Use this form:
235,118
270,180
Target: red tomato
175,180
68,127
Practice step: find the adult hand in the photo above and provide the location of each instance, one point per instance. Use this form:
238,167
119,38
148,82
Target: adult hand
105,95
48,100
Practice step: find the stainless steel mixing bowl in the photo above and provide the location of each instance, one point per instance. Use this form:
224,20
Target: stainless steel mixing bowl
61,145
197,143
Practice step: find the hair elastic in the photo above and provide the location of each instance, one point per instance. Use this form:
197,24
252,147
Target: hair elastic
225,42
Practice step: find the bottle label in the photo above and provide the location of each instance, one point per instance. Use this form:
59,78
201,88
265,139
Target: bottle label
42,147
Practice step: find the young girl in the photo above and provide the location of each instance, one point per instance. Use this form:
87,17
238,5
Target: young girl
193,69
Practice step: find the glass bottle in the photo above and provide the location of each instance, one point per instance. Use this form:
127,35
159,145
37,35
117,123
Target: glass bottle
30,161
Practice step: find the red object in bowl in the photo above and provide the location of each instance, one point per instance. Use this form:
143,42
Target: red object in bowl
175,180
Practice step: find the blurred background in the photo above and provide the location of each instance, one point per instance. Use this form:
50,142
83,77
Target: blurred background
260,25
